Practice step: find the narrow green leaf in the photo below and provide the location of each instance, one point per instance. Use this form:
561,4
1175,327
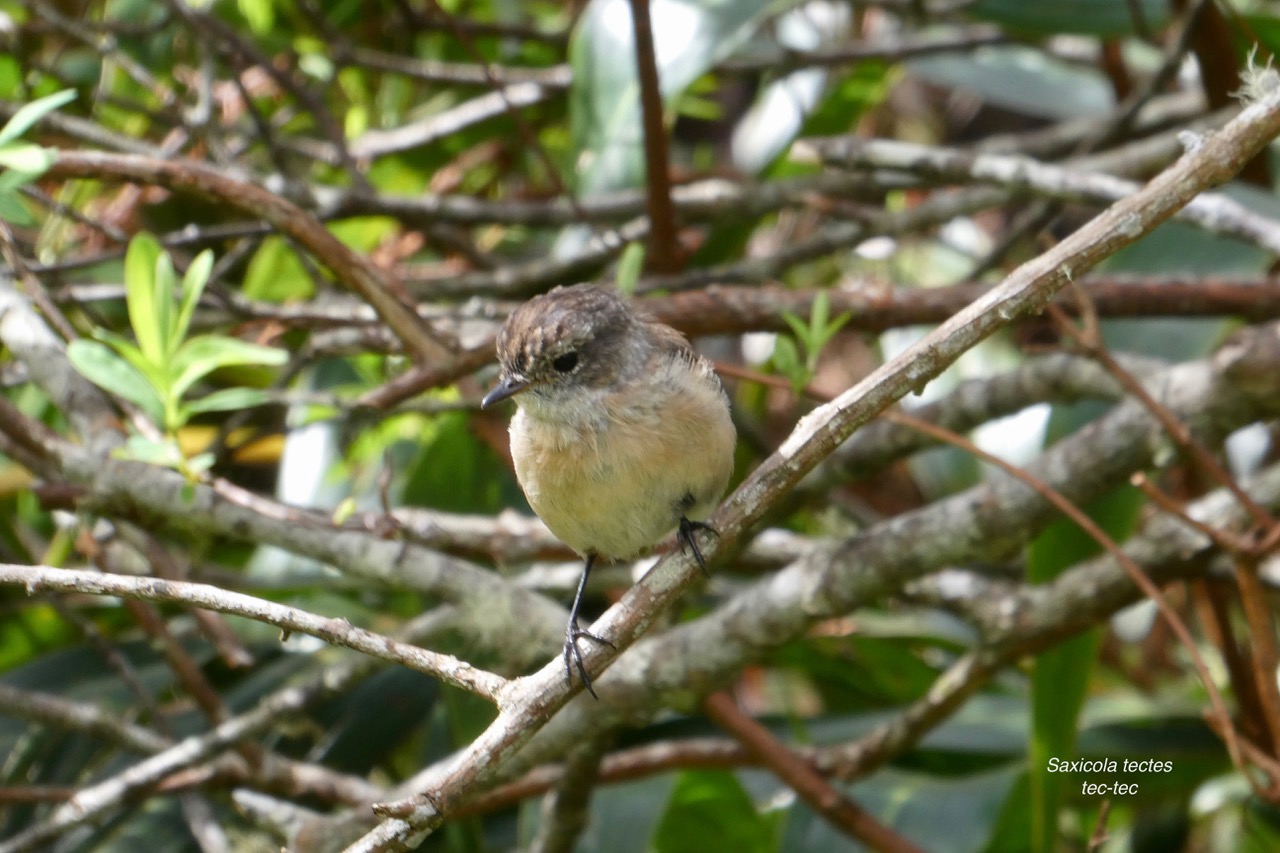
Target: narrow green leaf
344,510
200,463
798,327
837,324
629,266
225,400
1060,675
31,113
139,285
785,357
201,355
162,298
164,452
192,286
153,373
111,372
818,318
26,157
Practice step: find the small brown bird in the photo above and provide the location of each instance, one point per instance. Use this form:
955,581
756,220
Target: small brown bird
622,432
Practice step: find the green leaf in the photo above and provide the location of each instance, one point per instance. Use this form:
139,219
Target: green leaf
31,113
11,180
1021,79
818,316
344,510
604,100
193,283
164,452
162,299
260,15
785,356
275,274
225,400
156,374
709,810
140,261
798,327
111,372
201,355
12,210
1060,675
1102,18
200,463
629,266
26,157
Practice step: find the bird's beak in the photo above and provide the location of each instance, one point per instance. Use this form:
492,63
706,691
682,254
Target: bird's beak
508,386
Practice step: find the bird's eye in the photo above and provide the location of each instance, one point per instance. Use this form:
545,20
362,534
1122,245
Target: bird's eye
566,362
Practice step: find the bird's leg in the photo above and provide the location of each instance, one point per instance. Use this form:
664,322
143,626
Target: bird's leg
684,534
573,633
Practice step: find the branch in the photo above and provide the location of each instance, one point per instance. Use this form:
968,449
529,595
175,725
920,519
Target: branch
541,695
336,631
664,249
984,524
351,268
1213,212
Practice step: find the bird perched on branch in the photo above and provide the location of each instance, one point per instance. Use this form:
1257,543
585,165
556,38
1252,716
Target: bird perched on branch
622,432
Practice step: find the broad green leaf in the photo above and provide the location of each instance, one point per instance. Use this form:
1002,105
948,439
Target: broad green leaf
12,210
200,356
225,400
31,113
140,262
193,283
604,101
1102,18
935,811
260,15
275,274
447,468
11,180
111,372
26,157
623,816
709,810
1022,79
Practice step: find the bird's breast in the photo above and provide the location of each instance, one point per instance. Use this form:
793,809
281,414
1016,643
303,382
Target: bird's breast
612,476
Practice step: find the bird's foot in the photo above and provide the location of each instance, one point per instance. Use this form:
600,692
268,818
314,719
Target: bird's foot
684,534
573,655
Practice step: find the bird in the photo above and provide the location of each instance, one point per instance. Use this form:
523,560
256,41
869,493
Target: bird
622,431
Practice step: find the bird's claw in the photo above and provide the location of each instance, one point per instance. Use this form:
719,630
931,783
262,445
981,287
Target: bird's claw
573,655
684,534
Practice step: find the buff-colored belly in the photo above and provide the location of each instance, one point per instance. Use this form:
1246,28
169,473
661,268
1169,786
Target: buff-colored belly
618,491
